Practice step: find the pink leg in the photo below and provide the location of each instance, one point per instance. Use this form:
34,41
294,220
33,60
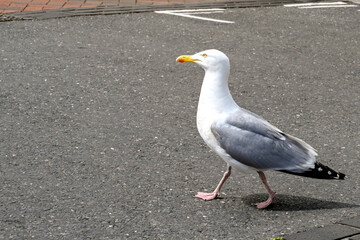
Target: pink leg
271,193
215,193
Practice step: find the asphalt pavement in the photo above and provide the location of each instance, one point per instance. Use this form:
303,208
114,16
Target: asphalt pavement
98,136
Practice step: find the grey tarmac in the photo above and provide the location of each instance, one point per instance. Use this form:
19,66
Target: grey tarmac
98,136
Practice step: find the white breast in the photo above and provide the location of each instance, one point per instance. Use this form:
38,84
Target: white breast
215,105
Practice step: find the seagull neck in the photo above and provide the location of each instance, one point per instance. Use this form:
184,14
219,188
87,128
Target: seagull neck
215,91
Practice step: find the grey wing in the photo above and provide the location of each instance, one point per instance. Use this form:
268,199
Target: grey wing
247,120
254,142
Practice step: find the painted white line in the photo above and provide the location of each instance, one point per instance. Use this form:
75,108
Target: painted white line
188,14
207,12
313,4
193,10
331,6
200,18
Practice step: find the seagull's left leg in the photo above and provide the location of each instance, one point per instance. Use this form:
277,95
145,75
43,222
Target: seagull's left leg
215,193
271,193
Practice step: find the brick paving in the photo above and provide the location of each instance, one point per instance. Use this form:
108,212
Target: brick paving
14,6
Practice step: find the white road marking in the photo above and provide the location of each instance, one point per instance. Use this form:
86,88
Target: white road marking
313,4
194,10
189,14
207,12
320,5
333,6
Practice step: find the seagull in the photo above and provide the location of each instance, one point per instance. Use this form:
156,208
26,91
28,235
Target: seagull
244,140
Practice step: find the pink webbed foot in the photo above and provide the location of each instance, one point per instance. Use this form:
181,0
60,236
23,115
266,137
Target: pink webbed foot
215,193
265,204
206,196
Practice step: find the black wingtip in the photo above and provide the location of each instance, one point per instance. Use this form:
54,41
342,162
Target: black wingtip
320,172
341,176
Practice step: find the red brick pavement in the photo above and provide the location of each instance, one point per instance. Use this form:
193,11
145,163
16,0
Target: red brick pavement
10,6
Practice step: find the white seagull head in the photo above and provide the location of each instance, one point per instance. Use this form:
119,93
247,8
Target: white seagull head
209,60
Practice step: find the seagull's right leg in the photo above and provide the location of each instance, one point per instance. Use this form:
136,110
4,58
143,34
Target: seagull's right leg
215,193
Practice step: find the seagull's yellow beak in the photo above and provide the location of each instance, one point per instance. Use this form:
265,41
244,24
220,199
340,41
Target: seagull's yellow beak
186,58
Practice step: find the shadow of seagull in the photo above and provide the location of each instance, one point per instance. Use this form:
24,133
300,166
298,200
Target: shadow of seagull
284,202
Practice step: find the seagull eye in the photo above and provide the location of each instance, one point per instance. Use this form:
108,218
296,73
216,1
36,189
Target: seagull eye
204,55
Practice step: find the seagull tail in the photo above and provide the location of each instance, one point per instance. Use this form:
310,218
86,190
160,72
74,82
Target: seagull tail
320,171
